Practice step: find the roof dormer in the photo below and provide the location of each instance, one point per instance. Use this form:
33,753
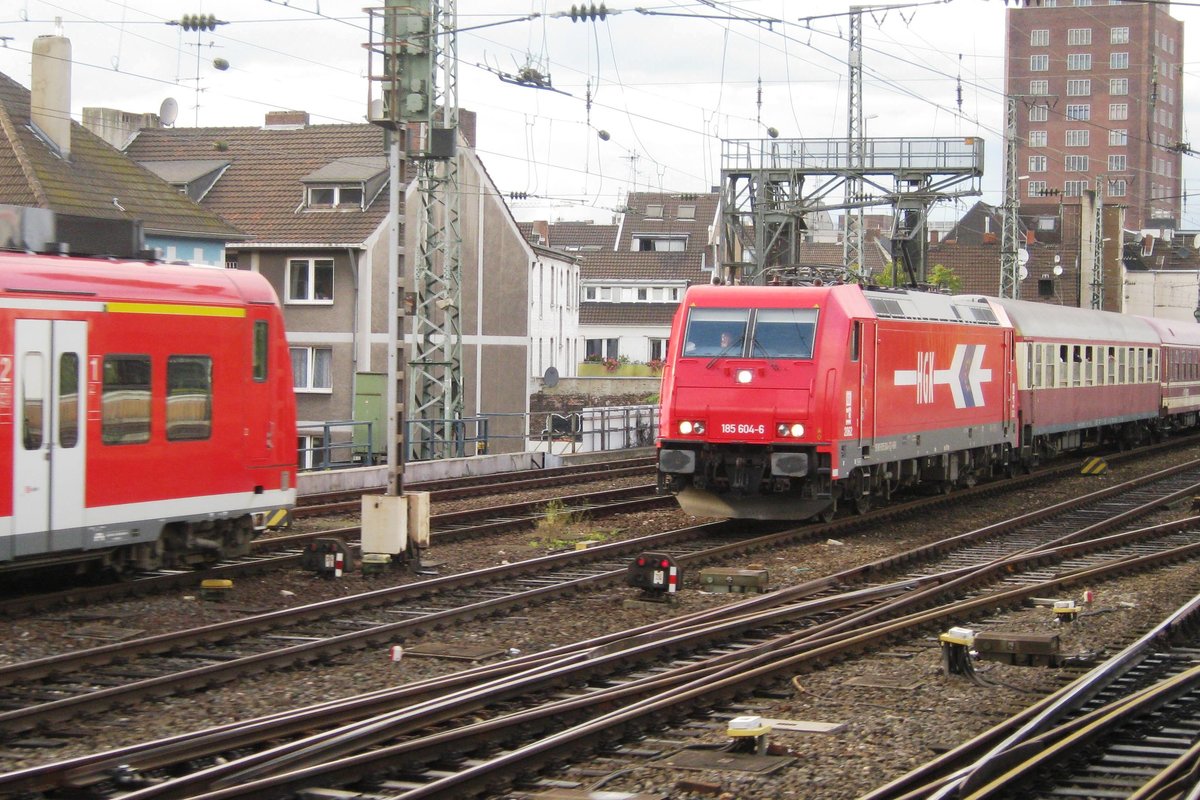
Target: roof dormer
345,184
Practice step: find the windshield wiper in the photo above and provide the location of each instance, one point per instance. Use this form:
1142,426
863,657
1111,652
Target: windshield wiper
725,351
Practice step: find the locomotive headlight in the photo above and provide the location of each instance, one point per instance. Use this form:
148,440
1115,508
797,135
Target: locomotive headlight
685,427
795,429
744,376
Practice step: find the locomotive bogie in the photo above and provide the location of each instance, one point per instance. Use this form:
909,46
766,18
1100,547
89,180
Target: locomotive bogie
146,410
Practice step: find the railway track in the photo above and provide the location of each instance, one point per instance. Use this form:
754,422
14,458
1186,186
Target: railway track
284,552
542,709
919,590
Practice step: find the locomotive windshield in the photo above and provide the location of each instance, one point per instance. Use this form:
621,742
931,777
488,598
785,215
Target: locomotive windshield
716,332
784,332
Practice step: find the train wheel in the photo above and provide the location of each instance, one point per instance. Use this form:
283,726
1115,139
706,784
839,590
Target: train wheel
862,504
828,514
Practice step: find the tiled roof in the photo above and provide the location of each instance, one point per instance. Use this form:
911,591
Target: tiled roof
627,314
262,190
641,266
96,181
669,222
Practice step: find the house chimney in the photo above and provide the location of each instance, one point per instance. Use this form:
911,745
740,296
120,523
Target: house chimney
50,92
541,229
933,236
286,119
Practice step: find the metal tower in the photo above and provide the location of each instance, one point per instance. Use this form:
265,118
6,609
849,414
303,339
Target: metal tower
852,219
1010,278
1098,245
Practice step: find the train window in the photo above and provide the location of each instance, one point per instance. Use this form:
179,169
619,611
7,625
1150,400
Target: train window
68,400
125,400
189,397
784,332
259,369
33,371
716,332
855,341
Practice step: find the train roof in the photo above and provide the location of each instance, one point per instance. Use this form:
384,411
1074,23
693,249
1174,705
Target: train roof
1050,321
859,302
63,277
1173,331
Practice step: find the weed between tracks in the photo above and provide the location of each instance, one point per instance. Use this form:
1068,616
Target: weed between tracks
561,529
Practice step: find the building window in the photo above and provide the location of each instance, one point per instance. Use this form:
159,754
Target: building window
1079,111
1039,87
602,348
1037,139
654,211
1079,138
1118,61
335,197
1118,86
1039,63
658,349
1037,163
589,293
1117,163
1118,111
1079,36
1118,36
1079,88
1037,189
1074,188
1075,163
312,369
1039,37
645,243
1117,188
1079,61
1039,113
686,212
310,280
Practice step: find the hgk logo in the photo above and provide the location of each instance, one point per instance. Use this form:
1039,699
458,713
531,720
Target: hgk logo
965,377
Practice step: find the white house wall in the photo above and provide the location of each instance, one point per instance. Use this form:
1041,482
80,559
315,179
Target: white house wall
1168,294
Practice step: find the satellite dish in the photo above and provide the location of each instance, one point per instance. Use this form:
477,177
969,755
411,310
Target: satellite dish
1196,242
550,379
1022,256
168,112
221,64
1057,269
1023,273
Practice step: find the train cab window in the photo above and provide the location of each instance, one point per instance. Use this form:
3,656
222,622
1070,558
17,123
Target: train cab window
125,400
189,397
33,372
784,332
855,341
261,338
68,400
716,332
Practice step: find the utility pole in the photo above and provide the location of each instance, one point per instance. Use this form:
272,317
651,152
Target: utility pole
1098,245
852,221
1010,278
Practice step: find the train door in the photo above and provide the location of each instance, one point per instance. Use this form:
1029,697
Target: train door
866,383
260,407
48,440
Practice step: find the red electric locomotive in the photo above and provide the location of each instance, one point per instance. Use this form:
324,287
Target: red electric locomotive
146,410
782,402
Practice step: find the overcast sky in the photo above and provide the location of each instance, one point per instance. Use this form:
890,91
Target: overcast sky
665,86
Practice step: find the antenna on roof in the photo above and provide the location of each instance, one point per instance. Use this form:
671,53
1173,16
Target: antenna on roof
168,112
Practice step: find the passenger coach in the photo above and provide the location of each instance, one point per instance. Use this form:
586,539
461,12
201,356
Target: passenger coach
147,411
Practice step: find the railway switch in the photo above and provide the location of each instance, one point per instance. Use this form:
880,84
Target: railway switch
734,581
655,574
749,734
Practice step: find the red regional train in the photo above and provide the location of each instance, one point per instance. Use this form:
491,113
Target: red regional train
786,402
146,411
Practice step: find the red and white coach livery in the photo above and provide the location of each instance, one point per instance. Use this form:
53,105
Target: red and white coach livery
784,402
146,410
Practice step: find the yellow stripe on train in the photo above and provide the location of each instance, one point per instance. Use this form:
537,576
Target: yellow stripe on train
175,308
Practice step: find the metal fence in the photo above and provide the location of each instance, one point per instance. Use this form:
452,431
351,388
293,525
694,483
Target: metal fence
342,444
